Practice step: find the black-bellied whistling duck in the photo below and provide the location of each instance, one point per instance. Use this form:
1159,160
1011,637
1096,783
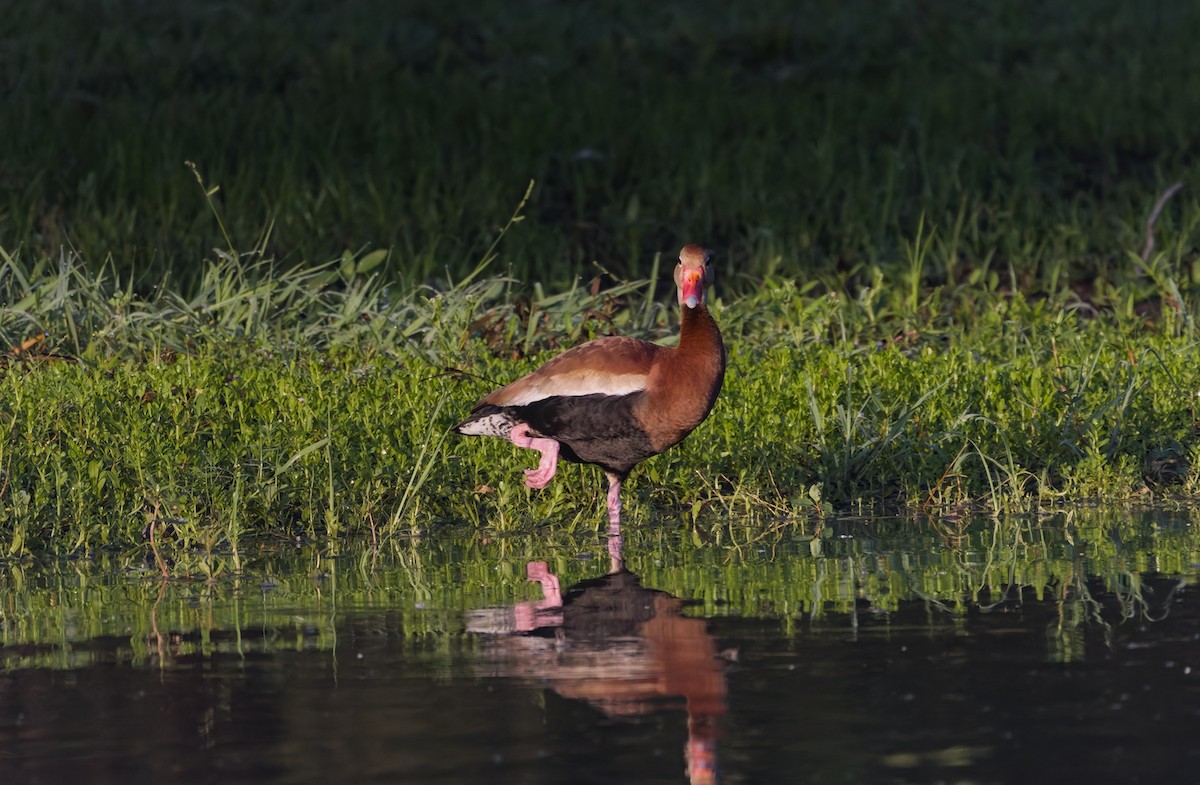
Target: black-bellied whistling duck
626,650
616,401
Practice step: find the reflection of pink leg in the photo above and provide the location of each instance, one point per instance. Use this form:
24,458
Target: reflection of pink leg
546,612
614,503
615,541
544,473
616,559
538,571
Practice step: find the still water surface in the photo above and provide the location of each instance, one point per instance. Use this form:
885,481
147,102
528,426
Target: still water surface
1056,651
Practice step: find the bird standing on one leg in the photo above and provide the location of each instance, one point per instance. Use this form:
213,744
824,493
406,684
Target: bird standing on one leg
615,401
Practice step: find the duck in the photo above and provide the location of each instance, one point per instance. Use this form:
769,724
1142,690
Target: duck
614,401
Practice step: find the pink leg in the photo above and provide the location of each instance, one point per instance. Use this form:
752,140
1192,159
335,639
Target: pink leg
615,541
544,473
614,503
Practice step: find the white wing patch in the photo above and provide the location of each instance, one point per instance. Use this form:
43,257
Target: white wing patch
496,424
582,383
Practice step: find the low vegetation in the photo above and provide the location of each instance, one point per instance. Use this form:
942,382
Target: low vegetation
317,403
957,267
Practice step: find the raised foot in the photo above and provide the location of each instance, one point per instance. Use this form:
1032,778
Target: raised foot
539,477
547,466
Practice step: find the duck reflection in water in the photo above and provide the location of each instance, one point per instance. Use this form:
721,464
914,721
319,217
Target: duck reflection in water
624,649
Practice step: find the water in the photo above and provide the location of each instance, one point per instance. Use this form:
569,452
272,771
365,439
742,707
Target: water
1061,650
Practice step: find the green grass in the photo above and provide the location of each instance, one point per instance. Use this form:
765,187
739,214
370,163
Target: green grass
797,140
316,403
266,254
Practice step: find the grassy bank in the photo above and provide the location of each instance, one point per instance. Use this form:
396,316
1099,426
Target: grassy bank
795,139
317,403
954,270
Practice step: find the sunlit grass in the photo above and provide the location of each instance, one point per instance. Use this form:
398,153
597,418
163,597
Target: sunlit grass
316,403
936,280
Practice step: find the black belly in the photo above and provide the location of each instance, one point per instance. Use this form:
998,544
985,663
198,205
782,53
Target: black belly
597,429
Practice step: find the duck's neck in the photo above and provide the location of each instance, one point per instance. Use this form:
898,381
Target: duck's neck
698,331
685,381
701,350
